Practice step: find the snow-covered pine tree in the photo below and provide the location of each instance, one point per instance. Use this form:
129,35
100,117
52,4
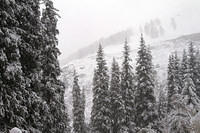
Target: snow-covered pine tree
12,86
117,104
178,120
100,115
193,67
162,110
177,72
127,89
29,29
53,89
21,59
183,67
78,121
144,97
190,97
83,104
172,88
197,56
162,105
191,61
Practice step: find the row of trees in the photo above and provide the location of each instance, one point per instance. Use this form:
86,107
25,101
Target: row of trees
31,96
125,102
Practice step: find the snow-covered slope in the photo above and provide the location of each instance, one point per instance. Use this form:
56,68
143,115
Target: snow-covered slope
85,66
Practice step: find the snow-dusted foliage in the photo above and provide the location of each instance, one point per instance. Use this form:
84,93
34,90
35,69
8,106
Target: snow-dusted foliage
31,96
184,105
128,88
117,104
193,67
145,101
100,115
173,86
179,117
78,108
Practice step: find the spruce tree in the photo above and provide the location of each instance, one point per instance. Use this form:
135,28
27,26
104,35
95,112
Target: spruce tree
172,87
83,104
177,72
127,89
78,121
197,55
53,89
100,115
162,110
30,51
162,105
179,118
191,61
12,85
190,98
183,67
117,104
193,66
25,100
144,97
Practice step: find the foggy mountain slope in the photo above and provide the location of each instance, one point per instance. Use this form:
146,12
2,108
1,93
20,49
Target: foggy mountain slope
85,66
153,29
116,38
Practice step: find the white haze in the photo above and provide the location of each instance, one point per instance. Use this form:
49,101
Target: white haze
85,21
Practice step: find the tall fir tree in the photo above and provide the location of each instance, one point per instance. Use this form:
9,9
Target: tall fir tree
30,51
162,110
172,87
22,53
12,84
83,105
117,104
190,97
183,67
53,89
193,67
162,105
177,72
191,61
144,97
197,56
100,115
128,89
78,121
178,120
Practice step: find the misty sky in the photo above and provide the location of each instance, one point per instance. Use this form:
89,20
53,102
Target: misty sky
85,21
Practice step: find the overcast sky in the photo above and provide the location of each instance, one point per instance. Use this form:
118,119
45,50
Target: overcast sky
85,21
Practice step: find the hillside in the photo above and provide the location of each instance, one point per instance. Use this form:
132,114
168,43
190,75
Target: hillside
85,66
